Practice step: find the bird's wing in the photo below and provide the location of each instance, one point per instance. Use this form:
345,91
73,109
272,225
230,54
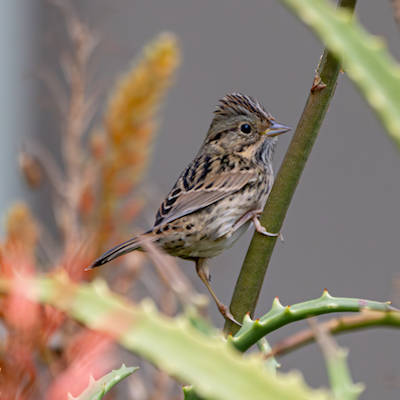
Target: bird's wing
202,195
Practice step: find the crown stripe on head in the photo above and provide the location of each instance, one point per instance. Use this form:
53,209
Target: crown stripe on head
242,105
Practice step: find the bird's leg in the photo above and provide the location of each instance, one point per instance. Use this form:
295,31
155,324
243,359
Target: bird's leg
253,216
203,273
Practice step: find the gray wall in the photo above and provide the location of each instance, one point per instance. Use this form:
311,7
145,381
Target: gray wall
342,229
17,47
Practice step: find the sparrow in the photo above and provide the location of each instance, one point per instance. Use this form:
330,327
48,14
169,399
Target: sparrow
220,193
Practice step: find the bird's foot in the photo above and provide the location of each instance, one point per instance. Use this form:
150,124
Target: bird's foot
263,231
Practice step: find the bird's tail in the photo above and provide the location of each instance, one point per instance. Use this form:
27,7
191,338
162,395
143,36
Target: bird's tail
126,247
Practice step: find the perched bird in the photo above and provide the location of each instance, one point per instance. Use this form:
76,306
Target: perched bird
220,193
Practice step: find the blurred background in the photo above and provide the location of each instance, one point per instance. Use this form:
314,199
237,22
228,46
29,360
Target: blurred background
342,231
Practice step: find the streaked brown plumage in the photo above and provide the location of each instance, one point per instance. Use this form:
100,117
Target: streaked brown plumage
220,193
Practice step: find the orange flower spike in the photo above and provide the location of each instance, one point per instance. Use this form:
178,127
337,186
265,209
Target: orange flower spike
17,264
130,118
130,123
17,252
21,228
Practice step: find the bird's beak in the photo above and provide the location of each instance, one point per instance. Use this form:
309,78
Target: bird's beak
276,129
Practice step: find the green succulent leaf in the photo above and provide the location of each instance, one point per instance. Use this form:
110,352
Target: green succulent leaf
279,315
216,369
97,389
365,57
341,382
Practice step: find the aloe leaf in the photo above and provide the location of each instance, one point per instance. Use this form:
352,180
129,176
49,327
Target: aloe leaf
217,370
340,379
279,315
365,57
97,389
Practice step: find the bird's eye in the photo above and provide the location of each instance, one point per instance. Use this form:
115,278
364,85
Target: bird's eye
246,128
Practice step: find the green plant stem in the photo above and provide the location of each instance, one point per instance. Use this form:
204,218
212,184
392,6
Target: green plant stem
255,265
